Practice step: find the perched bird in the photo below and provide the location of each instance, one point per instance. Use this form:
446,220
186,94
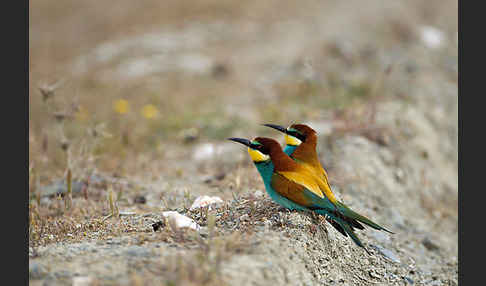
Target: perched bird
300,145
301,142
294,186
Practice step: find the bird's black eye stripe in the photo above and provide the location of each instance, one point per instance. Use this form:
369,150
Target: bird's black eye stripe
260,148
297,135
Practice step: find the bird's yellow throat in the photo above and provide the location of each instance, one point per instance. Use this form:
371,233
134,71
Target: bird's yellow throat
257,156
291,140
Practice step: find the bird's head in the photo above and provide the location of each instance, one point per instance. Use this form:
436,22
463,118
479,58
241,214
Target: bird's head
295,134
260,148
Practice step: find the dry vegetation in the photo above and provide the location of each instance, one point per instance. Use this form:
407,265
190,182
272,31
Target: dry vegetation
130,105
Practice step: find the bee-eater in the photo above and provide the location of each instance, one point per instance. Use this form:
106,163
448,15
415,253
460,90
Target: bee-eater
301,143
294,186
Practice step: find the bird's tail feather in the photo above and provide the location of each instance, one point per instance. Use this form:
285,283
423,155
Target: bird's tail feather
343,227
347,212
353,236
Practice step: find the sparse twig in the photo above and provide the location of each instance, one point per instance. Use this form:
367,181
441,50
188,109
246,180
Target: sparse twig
85,188
47,90
113,207
69,197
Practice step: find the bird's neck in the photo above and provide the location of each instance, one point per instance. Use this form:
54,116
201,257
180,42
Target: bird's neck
282,161
306,152
289,149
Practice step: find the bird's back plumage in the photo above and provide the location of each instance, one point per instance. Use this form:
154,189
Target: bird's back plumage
306,155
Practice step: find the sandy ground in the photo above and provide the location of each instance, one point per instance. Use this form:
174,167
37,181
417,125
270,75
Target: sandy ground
378,83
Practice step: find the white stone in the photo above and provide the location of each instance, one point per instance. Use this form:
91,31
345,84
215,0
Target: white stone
177,220
82,281
432,37
204,151
204,201
258,193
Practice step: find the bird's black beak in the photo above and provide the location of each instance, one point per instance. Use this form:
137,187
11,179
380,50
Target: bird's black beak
278,127
245,142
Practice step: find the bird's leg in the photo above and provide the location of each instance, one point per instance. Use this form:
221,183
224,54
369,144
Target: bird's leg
312,215
315,219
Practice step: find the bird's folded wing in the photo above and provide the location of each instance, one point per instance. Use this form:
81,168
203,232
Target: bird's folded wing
290,190
305,179
313,183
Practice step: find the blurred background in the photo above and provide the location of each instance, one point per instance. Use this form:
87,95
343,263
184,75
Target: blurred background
147,79
148,91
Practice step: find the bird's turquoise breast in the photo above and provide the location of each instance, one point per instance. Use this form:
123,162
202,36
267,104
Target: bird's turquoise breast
266,171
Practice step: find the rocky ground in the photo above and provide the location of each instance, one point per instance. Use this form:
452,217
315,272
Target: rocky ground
378,83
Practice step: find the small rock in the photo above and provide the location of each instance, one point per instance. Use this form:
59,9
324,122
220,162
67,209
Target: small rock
140,199
83,281
429,244
387,253
204,151
245,217
204,231
267,224
126,213
258,193
432,37
158,225
176,220
204,201
373,274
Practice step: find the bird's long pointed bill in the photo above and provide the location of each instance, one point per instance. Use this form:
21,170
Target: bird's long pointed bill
243,141
277,127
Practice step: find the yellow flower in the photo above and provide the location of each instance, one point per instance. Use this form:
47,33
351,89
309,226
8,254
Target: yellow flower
149,111
121,106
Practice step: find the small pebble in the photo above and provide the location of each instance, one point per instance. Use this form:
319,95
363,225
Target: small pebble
204,201
158,225
258,193
83,281
140,199
429,244
245,217
126,213
180,221
387,253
